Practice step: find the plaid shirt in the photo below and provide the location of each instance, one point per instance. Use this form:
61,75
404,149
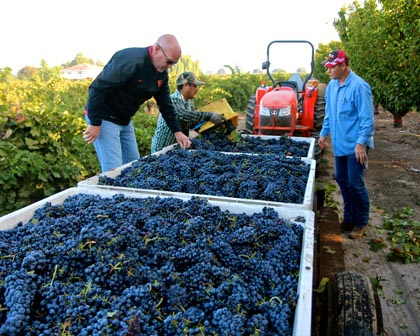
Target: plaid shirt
187,116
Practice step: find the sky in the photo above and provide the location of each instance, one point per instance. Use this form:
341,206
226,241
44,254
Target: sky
213,32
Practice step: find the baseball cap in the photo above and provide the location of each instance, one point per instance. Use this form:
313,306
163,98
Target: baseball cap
188,78
336,57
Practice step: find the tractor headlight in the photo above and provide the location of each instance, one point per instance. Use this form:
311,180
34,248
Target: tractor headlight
265,111
280,112
283,112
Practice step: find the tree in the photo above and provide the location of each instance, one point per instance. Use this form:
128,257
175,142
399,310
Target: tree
235,87
383,40
46,73
185,63
6,75
79,59
278,70
27,72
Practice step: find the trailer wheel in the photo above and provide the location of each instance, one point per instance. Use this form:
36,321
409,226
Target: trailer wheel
250,114
353,306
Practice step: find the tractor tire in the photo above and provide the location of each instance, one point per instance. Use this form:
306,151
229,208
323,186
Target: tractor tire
353,306
250,114
319,116
320,108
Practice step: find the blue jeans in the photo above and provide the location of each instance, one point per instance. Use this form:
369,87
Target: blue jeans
116,145
349,174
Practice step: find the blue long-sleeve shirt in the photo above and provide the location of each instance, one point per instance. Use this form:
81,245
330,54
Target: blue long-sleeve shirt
349,114
126,82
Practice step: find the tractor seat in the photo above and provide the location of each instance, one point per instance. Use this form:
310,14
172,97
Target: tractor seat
298,80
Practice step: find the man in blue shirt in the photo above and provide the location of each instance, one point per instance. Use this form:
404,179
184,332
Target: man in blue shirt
131,77
349,120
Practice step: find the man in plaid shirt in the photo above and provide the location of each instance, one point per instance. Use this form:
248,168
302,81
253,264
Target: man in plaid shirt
188,116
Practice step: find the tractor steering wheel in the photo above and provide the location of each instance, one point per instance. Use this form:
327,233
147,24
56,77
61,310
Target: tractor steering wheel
289,84
275,84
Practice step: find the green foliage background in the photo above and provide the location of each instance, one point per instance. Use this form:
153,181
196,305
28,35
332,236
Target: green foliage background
41,146
41,124
382,39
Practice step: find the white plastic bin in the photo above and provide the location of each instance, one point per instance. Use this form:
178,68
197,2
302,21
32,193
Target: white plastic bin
303,311
308,198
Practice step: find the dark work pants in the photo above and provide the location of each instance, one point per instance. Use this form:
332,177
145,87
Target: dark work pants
349,175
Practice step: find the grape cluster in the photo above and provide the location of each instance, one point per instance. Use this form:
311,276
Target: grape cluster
281,145
148,266
266,177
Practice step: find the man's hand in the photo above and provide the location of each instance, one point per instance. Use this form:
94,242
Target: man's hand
322,143
217,118
361,154
91,133
182,139
214,117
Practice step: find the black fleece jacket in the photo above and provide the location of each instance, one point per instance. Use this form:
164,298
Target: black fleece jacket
126,82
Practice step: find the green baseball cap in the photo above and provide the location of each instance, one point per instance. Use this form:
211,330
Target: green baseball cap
188,78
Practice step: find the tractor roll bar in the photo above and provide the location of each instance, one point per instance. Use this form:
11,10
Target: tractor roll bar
266,64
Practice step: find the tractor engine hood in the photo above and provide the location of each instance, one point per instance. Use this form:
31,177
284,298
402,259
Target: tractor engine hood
280,102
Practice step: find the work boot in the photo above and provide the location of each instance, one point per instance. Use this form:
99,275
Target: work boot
346,226
357,232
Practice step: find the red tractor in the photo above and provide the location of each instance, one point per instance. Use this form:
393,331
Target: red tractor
293,107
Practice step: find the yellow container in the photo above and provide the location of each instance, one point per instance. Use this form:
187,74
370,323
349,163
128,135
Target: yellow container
222,107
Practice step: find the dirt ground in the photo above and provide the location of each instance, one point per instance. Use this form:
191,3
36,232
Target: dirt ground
393,181
393,178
